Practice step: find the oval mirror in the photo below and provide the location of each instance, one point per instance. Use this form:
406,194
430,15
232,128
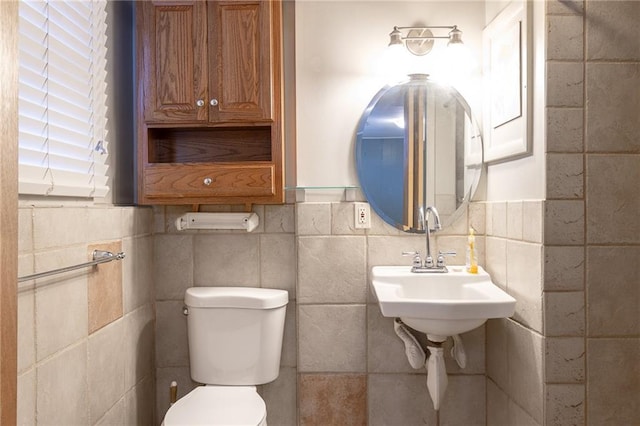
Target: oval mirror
418,145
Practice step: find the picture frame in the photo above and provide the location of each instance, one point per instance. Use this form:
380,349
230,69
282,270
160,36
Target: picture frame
507,50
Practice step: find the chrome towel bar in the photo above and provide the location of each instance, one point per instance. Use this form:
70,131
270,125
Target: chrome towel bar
99,256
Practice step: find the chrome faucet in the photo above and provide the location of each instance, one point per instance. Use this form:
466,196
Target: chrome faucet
428,265
424,218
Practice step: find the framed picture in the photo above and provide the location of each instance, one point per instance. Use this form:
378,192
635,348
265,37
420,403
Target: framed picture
507,85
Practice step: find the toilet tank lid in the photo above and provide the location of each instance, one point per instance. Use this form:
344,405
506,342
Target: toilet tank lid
235,297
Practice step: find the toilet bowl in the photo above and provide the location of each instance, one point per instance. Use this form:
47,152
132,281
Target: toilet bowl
235,342
218,406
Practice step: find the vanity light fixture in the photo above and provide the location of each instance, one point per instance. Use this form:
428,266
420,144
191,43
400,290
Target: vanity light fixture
420,40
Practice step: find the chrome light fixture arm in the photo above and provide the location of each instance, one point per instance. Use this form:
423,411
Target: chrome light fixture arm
420,40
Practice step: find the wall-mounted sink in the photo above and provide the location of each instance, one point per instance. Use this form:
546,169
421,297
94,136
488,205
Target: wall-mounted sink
440,305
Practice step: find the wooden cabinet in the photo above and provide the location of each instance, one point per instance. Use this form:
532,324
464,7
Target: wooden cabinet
209,99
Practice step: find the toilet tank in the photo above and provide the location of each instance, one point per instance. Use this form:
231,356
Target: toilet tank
235,334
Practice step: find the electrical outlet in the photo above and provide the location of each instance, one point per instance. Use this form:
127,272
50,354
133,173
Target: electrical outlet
362,216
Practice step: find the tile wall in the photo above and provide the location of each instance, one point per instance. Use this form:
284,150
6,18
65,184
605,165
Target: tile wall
341,361
515,346
352,368
263,258
85,348
592,232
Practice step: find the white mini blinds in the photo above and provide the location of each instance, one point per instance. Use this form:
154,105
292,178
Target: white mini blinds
62,110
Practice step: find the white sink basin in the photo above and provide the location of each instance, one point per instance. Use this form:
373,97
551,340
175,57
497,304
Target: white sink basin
440,304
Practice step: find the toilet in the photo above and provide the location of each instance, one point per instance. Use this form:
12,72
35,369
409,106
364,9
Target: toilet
235,342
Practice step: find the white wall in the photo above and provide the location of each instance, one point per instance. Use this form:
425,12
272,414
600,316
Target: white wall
524,179
339,49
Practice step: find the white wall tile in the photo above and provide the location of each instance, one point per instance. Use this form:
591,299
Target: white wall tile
526,370
565,176
613,381
173,265
115,415
226,260
26,330
380,227
613,303
565,82
565,129
104,223
514,220
313,218
497,405
279,218
532,214
62,393
498,219
613,199
601,43
474,343
387,250
564,268
164,377
55,227
139,345
25,229
611,116
496,260
26,398
172,348
278,262
564,222
497,352
289,355
332,270
61,305
343,219
468,392
399,399
385,350
138,270
280,398
105,369
564,313
524,282
518,416
572,7
565,405
331,338
564,38
139,403
565,359
477,217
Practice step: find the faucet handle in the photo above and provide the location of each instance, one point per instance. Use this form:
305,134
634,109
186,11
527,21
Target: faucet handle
428,262
417,261
442,254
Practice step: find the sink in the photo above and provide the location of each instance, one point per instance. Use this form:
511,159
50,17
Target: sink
440,305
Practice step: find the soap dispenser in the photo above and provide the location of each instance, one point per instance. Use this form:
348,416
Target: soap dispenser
472,260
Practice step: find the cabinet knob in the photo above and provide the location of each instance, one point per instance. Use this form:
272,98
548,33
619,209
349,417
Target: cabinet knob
200,102
207,181
213,102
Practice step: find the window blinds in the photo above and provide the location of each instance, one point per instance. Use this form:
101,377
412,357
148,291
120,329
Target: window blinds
62,109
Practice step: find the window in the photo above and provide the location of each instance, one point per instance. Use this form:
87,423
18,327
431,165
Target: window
62,109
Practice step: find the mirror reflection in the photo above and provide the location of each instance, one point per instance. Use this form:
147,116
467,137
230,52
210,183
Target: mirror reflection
418,145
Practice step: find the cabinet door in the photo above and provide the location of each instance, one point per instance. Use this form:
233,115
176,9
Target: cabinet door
174,60
240,36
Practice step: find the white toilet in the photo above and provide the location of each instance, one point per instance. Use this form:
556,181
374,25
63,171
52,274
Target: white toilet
235,341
